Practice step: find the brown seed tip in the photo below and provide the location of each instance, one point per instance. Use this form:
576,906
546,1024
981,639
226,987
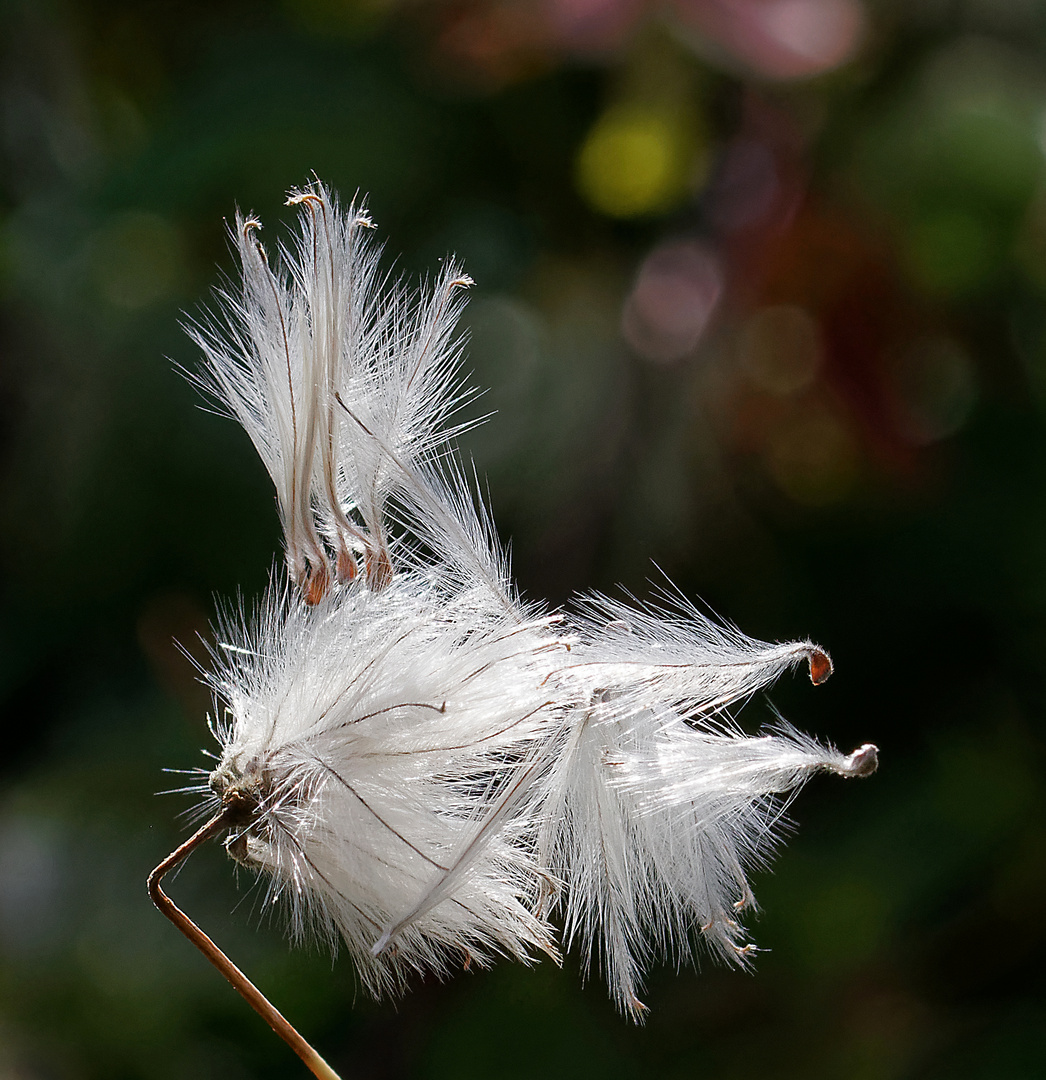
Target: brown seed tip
345,566
820,666
316,585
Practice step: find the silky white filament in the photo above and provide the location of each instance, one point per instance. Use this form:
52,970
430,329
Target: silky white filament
420,765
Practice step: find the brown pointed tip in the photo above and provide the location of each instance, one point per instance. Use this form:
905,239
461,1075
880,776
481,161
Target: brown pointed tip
345,567
820,666
316,585
863,761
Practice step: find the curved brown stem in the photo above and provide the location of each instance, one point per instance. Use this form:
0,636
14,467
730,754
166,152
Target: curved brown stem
254,997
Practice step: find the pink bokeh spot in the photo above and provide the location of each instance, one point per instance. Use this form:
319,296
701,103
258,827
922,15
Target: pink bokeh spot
676,292
593,26
779,39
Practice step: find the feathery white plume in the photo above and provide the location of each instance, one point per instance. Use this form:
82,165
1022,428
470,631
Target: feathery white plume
418,763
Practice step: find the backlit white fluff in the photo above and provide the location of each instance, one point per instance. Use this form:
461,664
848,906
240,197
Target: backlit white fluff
430,770
382,728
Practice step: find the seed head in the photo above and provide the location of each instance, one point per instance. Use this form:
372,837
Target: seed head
419,764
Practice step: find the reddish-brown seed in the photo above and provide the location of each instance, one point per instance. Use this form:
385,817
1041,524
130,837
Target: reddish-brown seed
820,666
346,567
316,584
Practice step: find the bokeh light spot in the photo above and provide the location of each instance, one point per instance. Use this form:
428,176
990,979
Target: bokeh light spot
635,161
676,292
592,26
823,33
780,349
779,39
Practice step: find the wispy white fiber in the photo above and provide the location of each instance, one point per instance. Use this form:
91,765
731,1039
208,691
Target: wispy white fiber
431,771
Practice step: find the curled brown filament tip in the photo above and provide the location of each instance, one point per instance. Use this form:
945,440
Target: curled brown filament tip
253,996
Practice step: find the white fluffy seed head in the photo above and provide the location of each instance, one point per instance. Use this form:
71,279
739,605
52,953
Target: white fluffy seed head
422,766
379,729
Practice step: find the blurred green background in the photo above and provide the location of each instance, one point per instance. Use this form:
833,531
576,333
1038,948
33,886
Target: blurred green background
761,296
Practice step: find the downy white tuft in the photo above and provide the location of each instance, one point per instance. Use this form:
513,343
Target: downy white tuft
417,762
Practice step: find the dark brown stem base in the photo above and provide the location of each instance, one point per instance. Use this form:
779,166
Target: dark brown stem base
254,997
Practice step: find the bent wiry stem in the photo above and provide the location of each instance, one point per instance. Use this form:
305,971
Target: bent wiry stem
254,997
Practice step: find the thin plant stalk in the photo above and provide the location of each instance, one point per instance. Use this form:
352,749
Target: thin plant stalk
254,997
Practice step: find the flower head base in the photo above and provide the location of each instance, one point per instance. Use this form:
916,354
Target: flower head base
420,765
